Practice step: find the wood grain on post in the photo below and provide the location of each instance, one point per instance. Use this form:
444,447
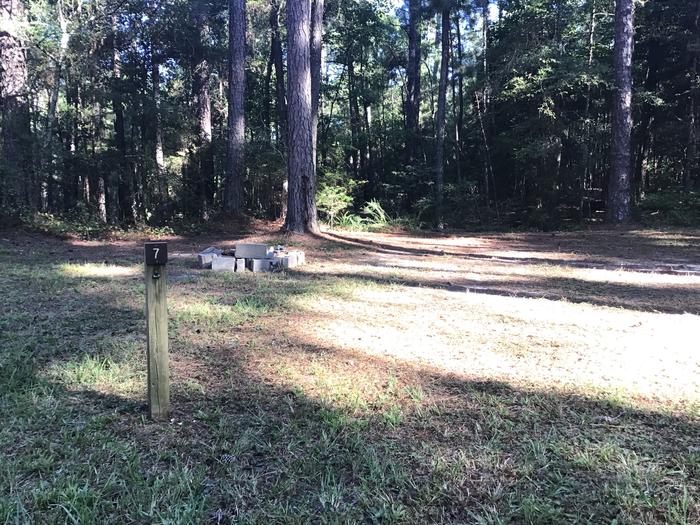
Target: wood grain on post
157,350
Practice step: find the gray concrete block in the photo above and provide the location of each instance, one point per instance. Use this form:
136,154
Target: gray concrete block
299,255
284,261
258,265
224,264
240,265
205,257
253,251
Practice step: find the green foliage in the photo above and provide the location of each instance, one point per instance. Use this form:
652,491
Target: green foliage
373,217
78,222
376,217
673,207
352,222
333,200
83,224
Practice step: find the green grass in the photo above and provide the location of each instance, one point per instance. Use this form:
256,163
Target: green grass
271,431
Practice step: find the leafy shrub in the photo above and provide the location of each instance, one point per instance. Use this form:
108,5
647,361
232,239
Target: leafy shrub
333,200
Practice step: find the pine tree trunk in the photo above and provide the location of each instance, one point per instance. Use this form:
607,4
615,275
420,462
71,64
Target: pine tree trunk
586,177
354,114
440,118
48,189
125,196
301,209
204,158
315,53
267,99
413,77
159,156
16,132
654,61
692,171
235,172
619,186
280,91
459,125
483,109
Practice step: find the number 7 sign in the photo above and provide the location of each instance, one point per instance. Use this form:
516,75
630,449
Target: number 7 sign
156,253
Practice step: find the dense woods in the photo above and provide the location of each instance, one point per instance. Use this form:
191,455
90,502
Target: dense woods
442,112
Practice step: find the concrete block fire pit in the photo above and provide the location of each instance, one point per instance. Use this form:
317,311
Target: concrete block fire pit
251,257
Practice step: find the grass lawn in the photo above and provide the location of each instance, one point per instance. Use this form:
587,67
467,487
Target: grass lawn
504,378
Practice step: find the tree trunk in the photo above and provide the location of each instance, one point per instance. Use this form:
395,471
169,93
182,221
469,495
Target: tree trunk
413,77
159,156
484,52
619,186
692,170
440,118
301,208
125,195
587,128
483,108
354,114
16,132
235,172
315,54
654,61
459,124
204,158
48,189
267,99
280,95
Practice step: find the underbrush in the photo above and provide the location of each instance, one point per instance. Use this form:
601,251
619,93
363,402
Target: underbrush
87,227
374,218
670,208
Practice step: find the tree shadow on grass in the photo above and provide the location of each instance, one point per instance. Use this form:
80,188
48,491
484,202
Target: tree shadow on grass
353,439
673,259
671,299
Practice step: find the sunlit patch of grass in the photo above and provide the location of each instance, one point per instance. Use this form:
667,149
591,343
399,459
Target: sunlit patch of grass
211,315
99,270
98,371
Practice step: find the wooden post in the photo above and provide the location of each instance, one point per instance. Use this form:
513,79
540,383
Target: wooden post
157,328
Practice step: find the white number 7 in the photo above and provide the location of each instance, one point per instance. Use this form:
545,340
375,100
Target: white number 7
155,256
